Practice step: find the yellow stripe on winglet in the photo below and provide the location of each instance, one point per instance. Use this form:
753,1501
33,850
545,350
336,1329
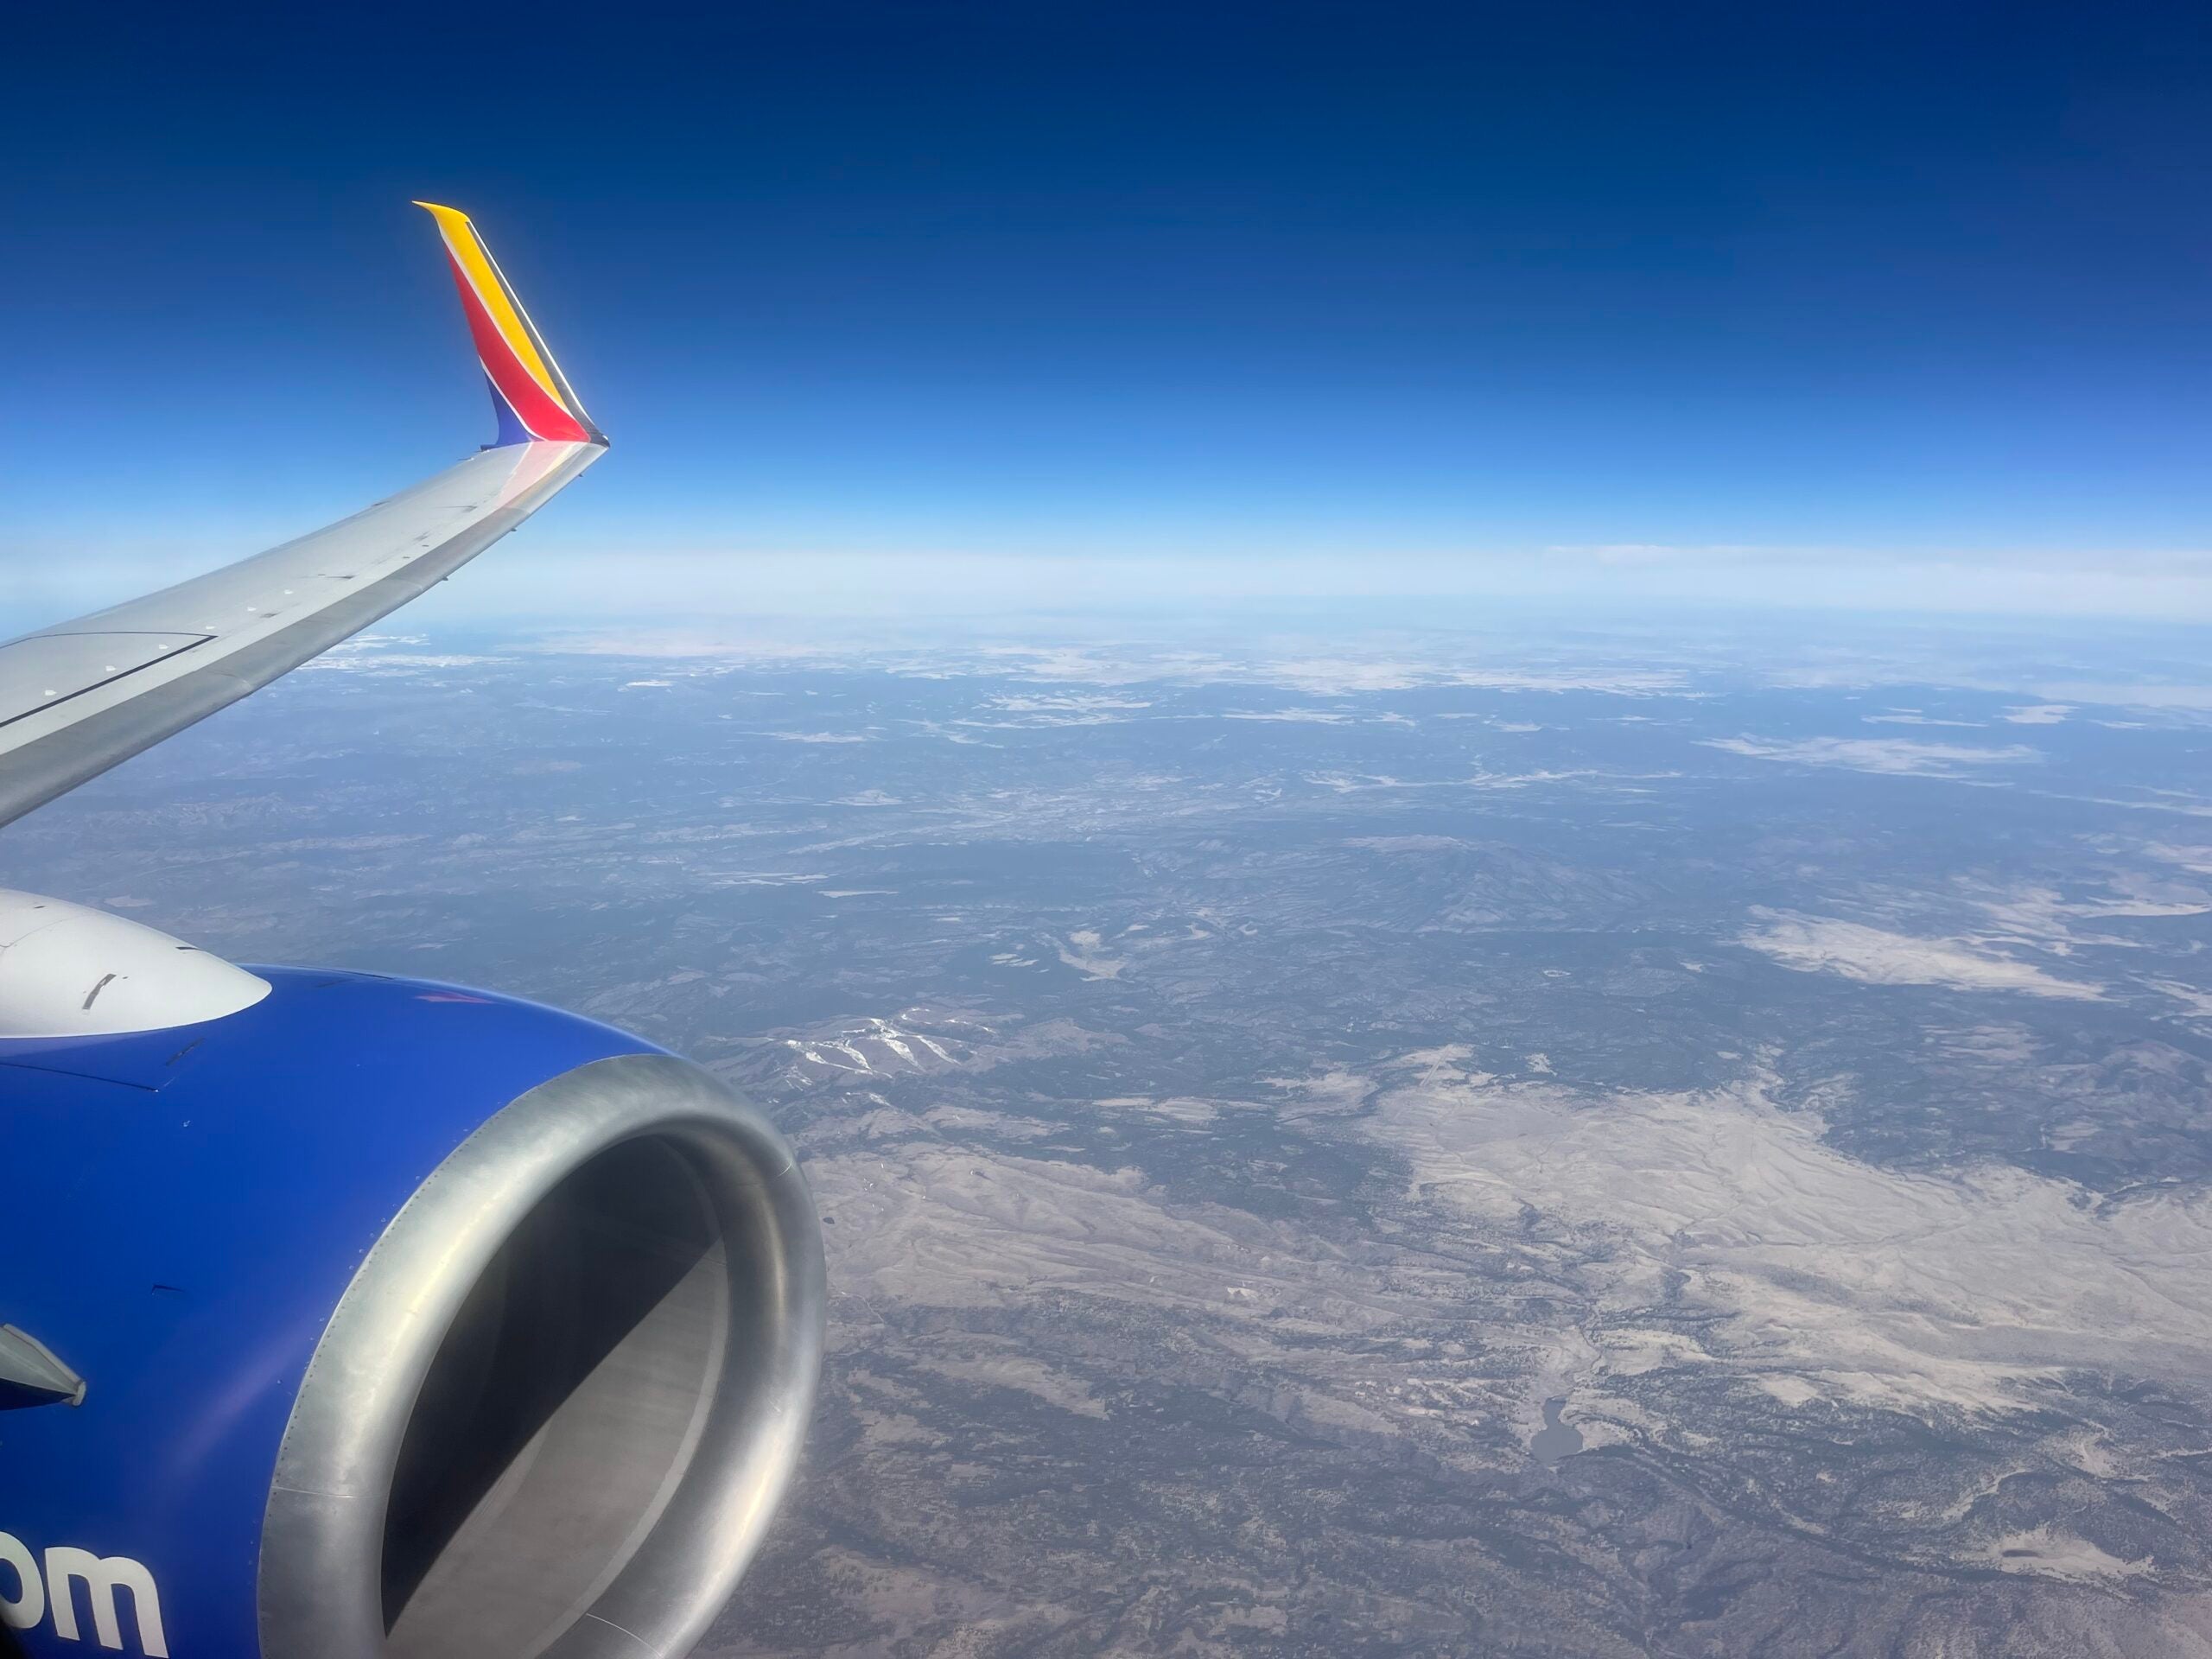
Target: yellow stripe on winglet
461,237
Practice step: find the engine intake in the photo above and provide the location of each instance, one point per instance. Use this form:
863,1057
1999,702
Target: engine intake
558,1404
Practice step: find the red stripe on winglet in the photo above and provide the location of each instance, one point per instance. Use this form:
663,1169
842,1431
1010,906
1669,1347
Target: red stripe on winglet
545,415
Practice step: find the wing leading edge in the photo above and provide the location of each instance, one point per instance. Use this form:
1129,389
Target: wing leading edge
79,697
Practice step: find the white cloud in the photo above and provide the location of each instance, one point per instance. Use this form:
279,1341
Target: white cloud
1297,717
1065,702
1347,783
1927,1292
1872,956
2197,860
1899,756
391,653
1618,554
1086,952
2186,698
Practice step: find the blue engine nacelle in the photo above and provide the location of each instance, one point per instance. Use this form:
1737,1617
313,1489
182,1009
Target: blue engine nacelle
397,1319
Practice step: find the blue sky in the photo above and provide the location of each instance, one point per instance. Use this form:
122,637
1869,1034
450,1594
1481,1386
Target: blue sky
955,306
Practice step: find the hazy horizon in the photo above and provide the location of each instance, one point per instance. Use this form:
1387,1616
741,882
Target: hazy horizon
1889,310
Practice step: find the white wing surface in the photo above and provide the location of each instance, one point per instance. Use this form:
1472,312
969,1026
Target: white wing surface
77,698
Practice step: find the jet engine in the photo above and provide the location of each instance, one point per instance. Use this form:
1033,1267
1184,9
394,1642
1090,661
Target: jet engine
364,1318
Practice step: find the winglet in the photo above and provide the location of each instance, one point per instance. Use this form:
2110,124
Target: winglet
530,396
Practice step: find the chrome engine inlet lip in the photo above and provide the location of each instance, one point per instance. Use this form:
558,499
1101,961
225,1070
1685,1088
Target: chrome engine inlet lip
320,1592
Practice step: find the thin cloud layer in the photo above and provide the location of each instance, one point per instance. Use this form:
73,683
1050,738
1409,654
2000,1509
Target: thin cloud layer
1899,756
1872,956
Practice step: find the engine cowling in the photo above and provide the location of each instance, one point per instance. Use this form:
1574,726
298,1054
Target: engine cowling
404,1320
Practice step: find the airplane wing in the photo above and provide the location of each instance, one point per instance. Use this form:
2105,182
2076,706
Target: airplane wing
80,697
